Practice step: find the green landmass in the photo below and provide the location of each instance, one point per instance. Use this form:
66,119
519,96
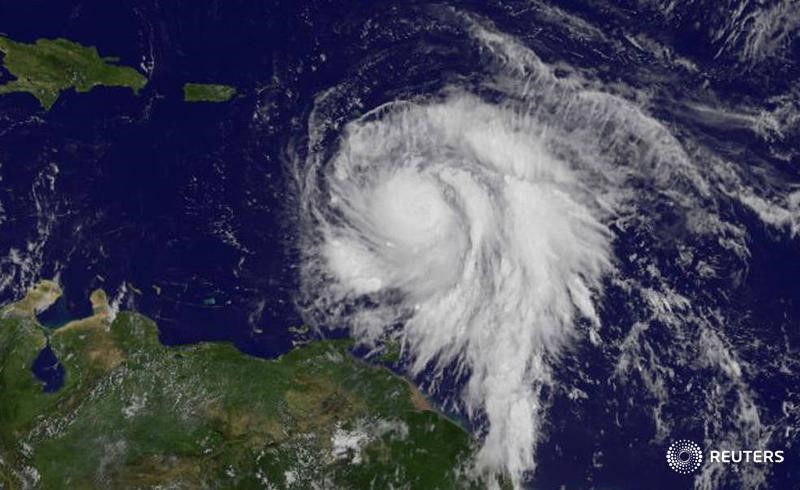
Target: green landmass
133,413
392,351
49,66
207,92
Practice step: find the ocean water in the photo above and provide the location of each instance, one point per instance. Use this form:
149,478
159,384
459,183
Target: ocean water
639,288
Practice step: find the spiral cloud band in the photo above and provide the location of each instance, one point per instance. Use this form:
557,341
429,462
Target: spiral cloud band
477,229
490,243
466,226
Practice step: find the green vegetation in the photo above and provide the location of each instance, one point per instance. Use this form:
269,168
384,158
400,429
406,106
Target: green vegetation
207,92
47,67
134,413
392,351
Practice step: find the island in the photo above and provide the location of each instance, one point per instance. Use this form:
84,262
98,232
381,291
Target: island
131,412
207,92
49,66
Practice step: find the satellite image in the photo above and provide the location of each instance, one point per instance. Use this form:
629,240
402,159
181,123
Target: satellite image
328,244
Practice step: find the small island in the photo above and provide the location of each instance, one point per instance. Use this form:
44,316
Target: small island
207,92
47,67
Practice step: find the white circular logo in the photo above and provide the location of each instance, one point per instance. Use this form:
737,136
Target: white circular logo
684,456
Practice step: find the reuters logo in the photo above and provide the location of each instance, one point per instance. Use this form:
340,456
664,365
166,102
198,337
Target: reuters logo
684,456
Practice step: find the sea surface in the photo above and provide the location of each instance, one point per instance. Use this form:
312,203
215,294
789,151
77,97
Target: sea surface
191,213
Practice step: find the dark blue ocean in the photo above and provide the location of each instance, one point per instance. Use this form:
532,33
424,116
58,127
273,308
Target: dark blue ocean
185,212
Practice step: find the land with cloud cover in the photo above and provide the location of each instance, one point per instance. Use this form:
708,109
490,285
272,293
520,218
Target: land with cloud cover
133,413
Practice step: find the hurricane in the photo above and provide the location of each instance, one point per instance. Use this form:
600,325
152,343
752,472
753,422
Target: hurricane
482,224
511,244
